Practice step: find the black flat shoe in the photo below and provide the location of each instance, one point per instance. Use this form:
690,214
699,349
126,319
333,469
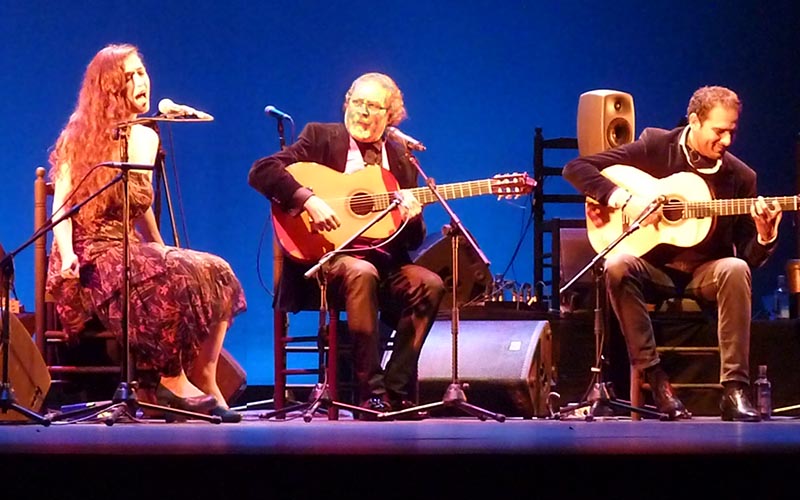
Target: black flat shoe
196,404
736,407
227,415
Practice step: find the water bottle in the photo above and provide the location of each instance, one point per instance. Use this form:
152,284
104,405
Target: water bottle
781,299
763,390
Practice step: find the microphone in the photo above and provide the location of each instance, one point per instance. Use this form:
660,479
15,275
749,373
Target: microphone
392,133
168,108
276,113
123,165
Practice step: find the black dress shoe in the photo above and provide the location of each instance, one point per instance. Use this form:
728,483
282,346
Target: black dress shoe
665,399
409,415
227,415
196,404
735,405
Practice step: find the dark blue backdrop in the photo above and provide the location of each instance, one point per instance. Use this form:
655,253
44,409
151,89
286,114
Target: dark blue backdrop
478,77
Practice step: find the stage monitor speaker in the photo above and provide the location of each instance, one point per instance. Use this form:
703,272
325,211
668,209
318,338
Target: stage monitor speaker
606,120
27,371
474,278
507,364
231,377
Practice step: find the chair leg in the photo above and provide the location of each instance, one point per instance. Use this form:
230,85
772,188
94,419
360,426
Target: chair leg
333,363
280,327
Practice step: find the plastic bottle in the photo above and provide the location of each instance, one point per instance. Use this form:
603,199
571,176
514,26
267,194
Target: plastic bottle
763,396
781,299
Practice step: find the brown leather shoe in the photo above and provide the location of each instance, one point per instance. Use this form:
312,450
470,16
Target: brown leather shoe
735,405
665,399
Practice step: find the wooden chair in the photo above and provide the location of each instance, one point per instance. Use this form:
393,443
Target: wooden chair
64,366
325,343
678,324
686,339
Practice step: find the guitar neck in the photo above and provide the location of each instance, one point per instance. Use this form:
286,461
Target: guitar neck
739,206
447,191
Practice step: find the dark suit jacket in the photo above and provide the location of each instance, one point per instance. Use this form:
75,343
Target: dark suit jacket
326,144
658,153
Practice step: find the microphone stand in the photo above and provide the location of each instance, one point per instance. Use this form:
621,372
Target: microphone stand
124,401
323,394
600,398
454,394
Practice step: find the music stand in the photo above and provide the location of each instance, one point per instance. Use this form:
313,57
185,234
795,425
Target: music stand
454,394
600,398
124,402
321,394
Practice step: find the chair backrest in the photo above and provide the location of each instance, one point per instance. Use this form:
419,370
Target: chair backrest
41,190
47,328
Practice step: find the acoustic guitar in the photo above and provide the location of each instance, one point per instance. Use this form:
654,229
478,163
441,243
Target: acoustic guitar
357,197
686,218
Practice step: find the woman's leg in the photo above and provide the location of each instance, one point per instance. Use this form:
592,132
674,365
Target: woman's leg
181,386
203,371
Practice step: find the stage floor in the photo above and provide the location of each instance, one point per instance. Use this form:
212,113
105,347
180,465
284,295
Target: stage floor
437,455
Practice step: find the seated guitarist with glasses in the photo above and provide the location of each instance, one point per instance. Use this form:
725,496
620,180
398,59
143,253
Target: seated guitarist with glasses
710,263
369,280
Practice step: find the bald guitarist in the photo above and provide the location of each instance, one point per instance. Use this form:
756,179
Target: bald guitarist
371,280
716,270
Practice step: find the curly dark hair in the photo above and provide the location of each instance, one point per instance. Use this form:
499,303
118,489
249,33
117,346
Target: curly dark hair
397,109
705,98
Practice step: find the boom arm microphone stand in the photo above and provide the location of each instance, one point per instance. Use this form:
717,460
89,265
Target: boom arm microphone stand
125,402
321,394
454,394
600,397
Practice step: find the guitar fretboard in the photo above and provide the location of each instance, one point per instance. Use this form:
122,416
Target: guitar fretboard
448,191
711,208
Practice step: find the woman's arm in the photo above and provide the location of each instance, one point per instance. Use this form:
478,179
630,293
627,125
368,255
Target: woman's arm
142,149
63,231
148,228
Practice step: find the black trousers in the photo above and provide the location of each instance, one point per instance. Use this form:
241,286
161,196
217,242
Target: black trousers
409,293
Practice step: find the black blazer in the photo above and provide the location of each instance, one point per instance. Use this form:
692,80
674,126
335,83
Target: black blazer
326,144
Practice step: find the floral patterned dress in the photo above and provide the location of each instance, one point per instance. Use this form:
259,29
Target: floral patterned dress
176,294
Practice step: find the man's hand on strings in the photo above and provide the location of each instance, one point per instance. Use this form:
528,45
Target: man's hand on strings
409,206
323,218
767,217
636,205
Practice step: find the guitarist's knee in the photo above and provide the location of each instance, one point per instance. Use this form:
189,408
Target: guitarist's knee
620,266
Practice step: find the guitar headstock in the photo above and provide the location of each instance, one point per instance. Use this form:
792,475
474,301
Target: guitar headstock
511,186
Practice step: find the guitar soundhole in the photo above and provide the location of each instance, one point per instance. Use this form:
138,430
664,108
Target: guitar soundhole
361,204
673,211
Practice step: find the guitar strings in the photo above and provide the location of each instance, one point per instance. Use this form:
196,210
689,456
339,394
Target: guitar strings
363,201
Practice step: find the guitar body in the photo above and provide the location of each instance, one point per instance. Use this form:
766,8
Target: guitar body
605,224
345,195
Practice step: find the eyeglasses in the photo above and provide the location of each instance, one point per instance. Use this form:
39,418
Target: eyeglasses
371,106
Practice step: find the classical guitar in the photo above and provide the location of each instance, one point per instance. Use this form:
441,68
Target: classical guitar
686,218
357,197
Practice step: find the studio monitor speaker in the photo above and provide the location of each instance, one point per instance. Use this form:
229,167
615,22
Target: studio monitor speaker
474,278
27,371
507,365
606,120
